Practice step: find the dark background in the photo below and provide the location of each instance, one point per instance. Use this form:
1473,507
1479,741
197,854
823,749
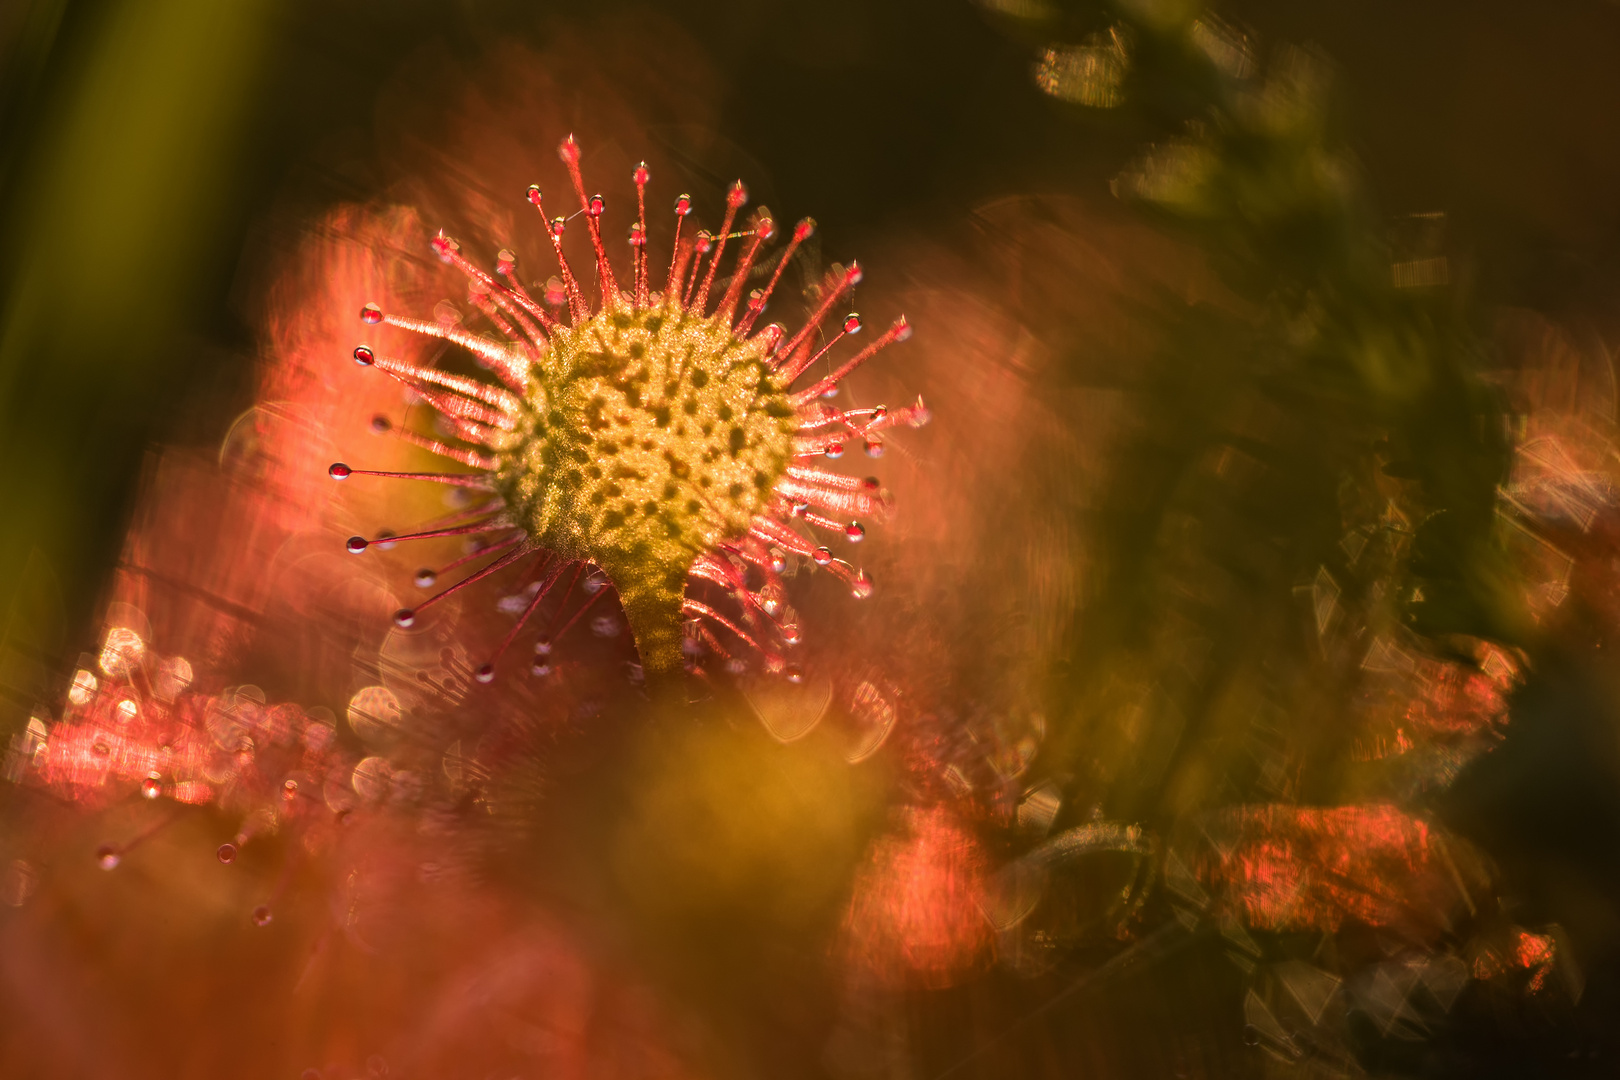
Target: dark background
137,165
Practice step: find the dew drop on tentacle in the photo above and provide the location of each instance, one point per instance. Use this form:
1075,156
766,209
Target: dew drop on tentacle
861,587
822,556
371,314
874,447
339,471
541,668
381,424
542,646
226,853
445,247
405,618
364,356
852,323
357,544
108,857
793,674
834,450
485,673
855,531
770,338
262,916
151,787
425,578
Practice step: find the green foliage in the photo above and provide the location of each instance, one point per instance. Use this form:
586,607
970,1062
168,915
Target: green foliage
1317,444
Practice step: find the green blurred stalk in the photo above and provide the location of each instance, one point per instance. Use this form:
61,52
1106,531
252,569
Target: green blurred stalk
110,220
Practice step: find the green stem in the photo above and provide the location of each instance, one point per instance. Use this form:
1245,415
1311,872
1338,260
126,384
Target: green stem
652,606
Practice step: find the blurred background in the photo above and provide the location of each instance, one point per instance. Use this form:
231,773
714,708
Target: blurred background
162,162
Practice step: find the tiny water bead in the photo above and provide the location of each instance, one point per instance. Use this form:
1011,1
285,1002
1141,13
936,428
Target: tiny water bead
658,438
226,853
151,787
339,471
108,857
262,915
855,531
